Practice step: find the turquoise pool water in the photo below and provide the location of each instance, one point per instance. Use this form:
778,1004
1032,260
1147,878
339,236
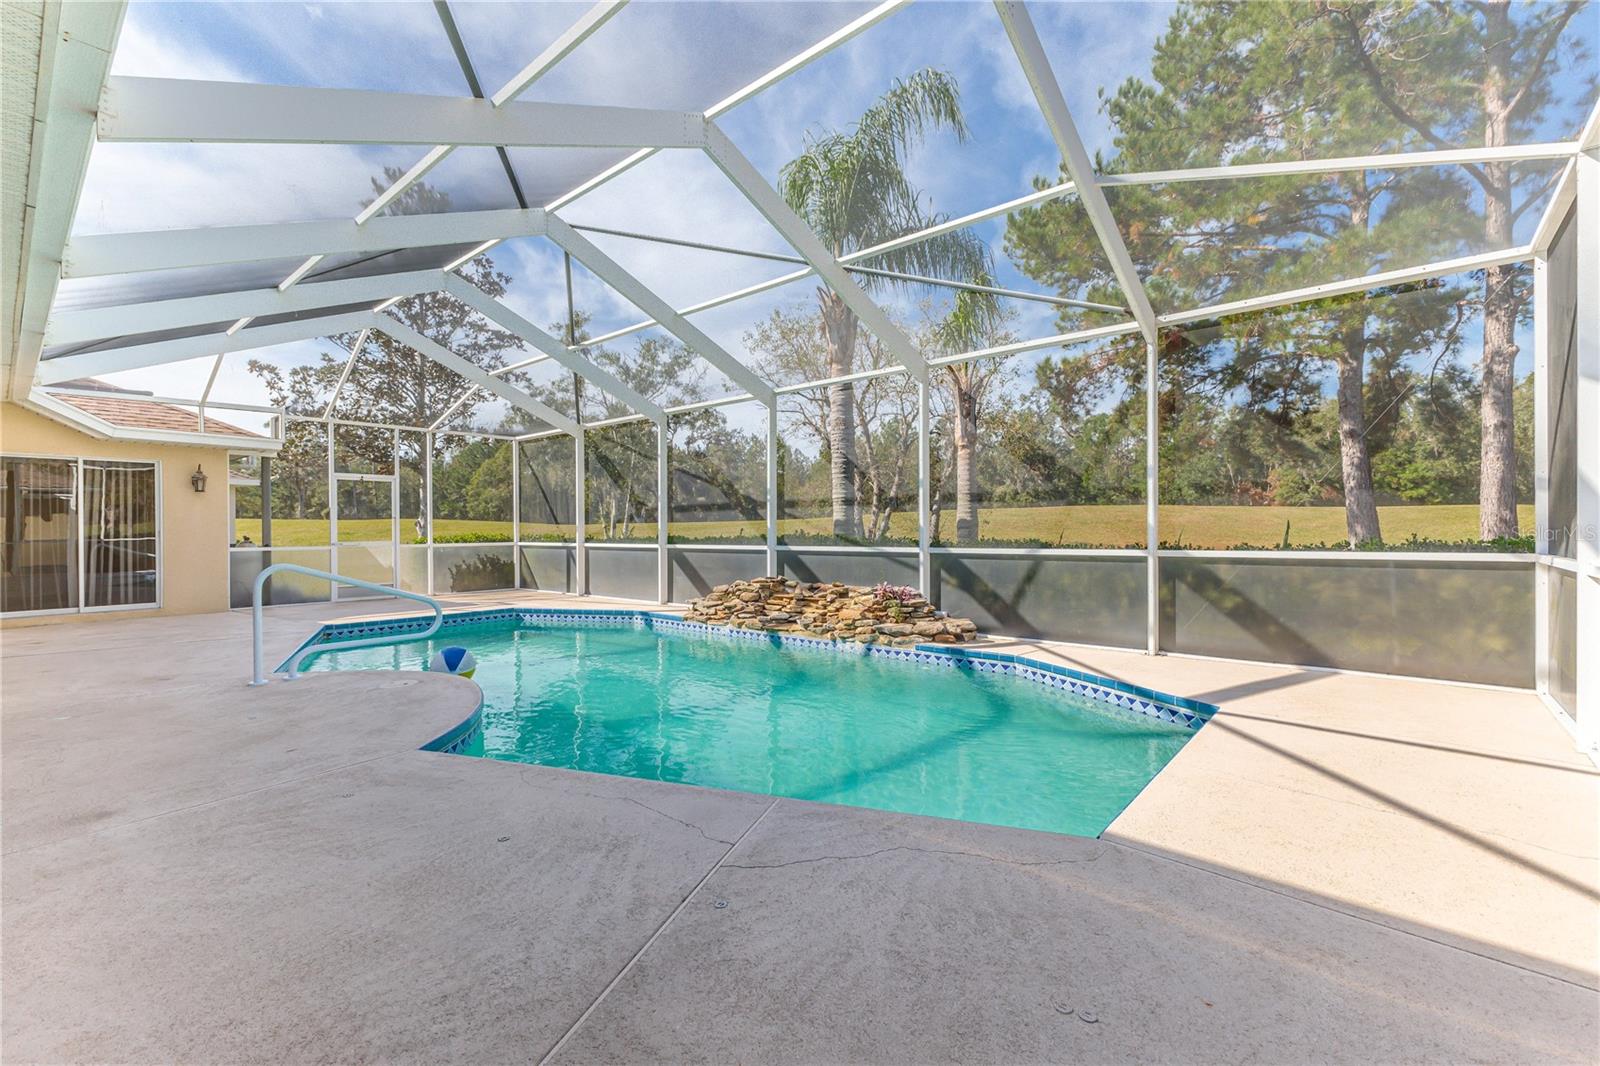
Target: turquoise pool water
809,724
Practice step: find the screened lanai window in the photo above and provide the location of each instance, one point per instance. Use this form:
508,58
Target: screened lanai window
717,464
1041,450
1355,420
620,486
548,489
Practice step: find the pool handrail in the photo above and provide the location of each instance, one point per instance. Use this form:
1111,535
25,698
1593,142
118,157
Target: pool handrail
292,667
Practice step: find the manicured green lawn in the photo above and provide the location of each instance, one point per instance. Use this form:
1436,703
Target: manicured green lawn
1100,526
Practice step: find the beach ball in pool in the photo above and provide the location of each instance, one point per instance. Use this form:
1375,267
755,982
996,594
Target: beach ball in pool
454,661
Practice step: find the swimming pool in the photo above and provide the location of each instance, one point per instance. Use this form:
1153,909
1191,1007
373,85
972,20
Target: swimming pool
963,735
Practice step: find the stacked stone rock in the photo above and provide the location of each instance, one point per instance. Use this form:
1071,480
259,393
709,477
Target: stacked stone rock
828,612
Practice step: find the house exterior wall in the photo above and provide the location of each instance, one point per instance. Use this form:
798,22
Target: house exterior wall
194,525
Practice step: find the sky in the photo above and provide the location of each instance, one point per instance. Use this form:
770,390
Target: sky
683,55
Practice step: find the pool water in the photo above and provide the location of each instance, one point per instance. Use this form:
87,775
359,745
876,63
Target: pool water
812,724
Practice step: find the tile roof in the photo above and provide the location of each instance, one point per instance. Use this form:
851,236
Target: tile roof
150,414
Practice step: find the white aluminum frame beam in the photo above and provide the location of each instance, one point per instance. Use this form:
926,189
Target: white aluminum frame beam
1345,286
1587,419
156,353
1036,66
610,272
1561,201
1041,196
509,320
1511,153
216,112
473,373
734,99
739,170
344,375
575,35
74,58
558,49
134,252
1589,138
118,320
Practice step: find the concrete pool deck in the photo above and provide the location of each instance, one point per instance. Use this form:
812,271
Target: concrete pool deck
1337,868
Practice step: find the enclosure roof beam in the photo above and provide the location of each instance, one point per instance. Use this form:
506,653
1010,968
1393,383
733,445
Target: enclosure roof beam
1589,139
509,320
121,320
1440,269
1036,65
749,181
734,99
631,288
344,375
74,57
1555,212
158,353
404,334
905,240
182,109
1117,329
558,49
1514,153
455,405
575,35
135,252
877,272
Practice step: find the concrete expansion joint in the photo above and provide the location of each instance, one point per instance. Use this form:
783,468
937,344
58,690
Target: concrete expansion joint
923,851
555,1048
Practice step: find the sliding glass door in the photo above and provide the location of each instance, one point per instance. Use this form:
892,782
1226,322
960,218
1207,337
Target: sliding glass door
39,512
79,535
119,534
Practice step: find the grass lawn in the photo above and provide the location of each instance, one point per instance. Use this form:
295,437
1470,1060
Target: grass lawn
1101,526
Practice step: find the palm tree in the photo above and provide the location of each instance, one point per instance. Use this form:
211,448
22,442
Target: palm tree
851,188
975,321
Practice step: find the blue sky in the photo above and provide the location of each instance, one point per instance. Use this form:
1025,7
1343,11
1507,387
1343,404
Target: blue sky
684,55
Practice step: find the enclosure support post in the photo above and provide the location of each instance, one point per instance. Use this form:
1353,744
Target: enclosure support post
427,502
333,519
394,509
1588,422
580,554
1152,500
772,489
516,514
266,514
1542,326
924,568
663,572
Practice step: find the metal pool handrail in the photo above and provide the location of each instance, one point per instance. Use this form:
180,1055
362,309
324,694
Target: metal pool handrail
293,666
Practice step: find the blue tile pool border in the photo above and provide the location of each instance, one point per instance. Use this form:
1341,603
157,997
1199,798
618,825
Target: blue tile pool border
456,738
1118,696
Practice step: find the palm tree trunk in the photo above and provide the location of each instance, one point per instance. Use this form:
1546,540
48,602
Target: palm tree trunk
966,426
1497,469
839,332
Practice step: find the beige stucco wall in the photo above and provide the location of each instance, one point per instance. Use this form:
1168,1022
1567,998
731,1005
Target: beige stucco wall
194,526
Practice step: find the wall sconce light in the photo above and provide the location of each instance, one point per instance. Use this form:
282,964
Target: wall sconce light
198,479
